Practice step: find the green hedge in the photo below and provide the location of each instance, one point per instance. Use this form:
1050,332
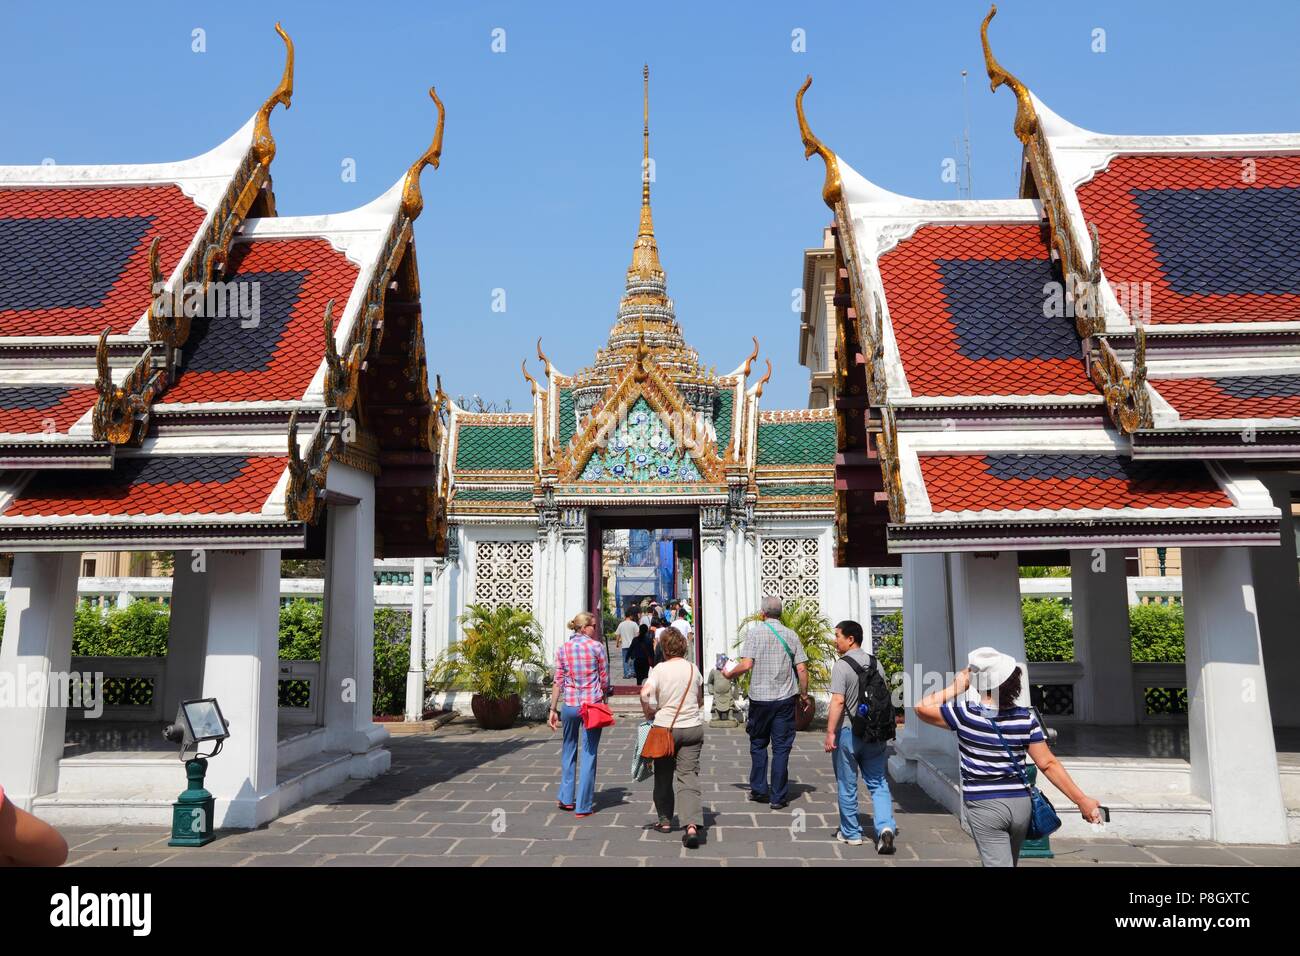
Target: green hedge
1157,634
1049,632
140,630
1157,631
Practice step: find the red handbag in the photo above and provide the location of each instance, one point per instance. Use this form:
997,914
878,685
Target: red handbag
595,715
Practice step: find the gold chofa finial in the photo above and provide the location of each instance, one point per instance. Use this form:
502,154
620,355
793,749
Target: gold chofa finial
1026,123
412,201
832,188
749,362
263,141
541,357
645,252
767,377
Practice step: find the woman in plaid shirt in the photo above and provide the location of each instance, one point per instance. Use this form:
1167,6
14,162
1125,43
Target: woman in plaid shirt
582,675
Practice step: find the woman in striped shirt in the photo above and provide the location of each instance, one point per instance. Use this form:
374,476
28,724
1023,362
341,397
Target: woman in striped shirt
986,705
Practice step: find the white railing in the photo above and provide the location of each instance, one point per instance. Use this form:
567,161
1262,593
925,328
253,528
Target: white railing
119,592
886,599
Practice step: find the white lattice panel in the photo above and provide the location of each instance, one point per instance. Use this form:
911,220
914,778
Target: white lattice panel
791,568
503,574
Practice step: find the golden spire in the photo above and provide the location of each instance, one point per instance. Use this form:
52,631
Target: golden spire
645,253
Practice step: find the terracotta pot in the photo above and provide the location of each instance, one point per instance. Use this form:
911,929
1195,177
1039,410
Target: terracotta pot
495,713
804,713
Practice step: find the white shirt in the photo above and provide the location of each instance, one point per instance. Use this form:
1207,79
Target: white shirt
626,632
684,626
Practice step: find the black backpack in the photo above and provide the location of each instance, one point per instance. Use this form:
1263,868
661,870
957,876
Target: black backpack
879,725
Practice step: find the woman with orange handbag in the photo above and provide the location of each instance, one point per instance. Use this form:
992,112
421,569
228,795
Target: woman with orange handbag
673,698
582,677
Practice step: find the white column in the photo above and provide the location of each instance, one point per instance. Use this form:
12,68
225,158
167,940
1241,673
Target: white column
349,640
415,673
732,612
187,630
986,604
241,671
927,657
1233,755
574,556
37,648
1277,590
1102,644
712,611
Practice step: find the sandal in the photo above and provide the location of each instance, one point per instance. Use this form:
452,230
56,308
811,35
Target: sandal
663,826
691,838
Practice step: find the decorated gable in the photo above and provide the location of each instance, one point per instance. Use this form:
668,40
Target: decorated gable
640,449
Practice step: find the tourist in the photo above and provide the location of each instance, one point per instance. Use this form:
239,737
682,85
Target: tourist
987,705
627,632
657,627
780,678
683,624
673,698
27,841
859,745
582,676
643,654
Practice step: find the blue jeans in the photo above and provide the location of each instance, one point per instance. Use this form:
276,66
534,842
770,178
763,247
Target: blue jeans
770,721
573,732
851,755
627,662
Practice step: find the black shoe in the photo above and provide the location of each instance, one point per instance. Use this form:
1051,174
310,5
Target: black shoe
691,838
781,806
886,847
758,798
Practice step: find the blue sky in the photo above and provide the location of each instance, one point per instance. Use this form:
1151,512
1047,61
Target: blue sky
539,185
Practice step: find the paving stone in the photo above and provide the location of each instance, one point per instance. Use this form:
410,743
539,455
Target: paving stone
1195,855
285,859
129,858
360,859
255,842
393,829
498,846
342,844
425,846
127,841
416,859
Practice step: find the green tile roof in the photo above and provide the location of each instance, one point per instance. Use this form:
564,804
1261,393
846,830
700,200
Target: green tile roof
823,490
722,417
493,494
797,443
494,448
568,420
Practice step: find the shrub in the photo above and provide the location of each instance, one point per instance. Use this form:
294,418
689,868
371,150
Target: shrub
1157,631
392,659
889,646
137,630
301,625
1049,632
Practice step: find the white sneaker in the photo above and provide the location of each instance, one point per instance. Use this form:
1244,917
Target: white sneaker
855,841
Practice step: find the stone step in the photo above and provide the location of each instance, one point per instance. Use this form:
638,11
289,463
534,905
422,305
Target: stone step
124,809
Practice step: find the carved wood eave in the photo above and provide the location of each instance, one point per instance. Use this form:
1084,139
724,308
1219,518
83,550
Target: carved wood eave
1127,400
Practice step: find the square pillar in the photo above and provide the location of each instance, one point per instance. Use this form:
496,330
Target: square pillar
1102,643
241,670
986,604
1277,593
348,652
927,658
36,652
415,670
1233,755
187,630
710,625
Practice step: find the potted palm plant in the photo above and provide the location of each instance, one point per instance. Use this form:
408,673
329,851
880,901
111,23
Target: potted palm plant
492,660
816,634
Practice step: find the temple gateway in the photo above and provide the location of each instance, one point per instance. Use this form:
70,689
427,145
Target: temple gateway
644,437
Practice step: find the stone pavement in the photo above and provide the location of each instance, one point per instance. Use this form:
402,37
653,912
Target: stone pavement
467,797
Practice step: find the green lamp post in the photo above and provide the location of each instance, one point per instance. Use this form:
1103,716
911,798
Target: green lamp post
192,813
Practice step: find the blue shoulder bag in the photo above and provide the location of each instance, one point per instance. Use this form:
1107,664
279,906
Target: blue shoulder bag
1043,819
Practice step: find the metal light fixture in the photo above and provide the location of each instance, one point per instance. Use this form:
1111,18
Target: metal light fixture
197,722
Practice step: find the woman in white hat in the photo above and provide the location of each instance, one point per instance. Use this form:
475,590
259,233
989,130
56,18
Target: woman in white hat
987,706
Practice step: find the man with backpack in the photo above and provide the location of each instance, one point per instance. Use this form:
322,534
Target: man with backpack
860,693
